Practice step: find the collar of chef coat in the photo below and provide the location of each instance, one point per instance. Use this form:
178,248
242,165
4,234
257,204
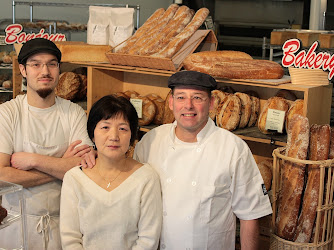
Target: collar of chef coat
201,136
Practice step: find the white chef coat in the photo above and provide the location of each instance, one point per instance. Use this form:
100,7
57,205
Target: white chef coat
58,126
204,186
128,217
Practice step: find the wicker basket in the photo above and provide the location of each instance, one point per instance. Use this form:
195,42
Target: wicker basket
323,238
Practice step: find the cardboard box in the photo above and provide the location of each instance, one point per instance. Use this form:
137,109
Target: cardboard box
79,52
307,38
280,36
202,40
326,41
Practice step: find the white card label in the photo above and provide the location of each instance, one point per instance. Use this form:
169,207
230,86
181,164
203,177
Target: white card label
138,104
275,120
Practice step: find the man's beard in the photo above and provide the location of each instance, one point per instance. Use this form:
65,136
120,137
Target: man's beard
43,93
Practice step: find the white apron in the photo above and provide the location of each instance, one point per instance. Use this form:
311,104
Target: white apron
42,202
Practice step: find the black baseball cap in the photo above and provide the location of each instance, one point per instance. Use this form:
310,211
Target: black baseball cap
38,45
192,79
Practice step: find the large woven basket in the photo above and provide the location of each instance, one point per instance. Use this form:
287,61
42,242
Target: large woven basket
323,238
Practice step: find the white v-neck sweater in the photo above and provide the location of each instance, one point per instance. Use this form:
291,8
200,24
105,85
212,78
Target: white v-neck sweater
128,217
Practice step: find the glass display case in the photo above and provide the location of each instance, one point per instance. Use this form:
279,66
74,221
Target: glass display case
16,192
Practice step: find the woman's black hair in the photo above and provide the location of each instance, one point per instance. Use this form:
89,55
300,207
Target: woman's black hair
110,107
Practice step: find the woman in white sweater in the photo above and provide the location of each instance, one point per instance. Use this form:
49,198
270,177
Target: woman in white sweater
116,204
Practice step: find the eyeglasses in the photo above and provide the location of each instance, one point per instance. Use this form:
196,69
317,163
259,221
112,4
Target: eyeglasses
195,99
39,66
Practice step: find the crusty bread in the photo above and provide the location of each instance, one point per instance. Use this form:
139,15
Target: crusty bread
266,170
331,149
246,109
178,41
68,85
82,92
319,150
117,94
168,113
255,111
233,67
275,102
218,97
148,111
131,93
292,178
228,113
296,107
286,94
160,107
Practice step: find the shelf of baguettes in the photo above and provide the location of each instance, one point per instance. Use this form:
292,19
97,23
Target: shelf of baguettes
104,78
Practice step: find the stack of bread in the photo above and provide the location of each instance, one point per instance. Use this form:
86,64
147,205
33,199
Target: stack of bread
155,110
300,183
164,32
72,86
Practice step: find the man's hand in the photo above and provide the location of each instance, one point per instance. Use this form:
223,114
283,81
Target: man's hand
22,160
73,150
88,160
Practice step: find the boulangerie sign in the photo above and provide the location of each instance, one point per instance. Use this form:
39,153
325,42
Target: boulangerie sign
14,34
293,56
109,26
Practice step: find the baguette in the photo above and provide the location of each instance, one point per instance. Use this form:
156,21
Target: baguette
319,150
152,33
292,179
182,17
149,23
177,42
296,107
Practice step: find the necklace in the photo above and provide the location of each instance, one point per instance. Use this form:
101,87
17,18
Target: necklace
109,182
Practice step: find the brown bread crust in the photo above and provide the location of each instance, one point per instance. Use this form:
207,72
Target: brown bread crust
218,97
148,111
160,107
246,109
319,150
68,85
228,113
296,107
292,178
178,41
275,102
255,111
266,170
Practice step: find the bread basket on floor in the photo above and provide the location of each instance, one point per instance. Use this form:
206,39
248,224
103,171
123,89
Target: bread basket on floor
323,232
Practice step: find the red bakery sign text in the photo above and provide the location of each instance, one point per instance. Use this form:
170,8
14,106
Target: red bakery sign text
293,56
14,34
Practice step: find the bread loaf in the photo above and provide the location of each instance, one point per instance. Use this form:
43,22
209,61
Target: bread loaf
149,24
182,17
228,113
168,113
152,33
319,150
148,111
296,107
266,170
235,66
82,92
254,112
277,103
331,148
246,109
218,97
131,94
292,179
286,94
68,85
160,107
178,41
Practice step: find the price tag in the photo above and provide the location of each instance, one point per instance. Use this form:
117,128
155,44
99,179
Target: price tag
275,120
138,104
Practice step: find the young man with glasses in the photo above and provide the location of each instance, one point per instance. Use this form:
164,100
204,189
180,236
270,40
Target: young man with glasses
42,136
208,175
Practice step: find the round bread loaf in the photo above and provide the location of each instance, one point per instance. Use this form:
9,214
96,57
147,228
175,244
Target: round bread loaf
121,94
218,97
275,102
160,106
82,92
148,111
68,85
246,109
297,107
265,168
228,113
168,113
286,94
7,59
255,111
131,94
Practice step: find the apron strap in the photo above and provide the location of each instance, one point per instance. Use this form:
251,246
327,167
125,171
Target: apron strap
43,228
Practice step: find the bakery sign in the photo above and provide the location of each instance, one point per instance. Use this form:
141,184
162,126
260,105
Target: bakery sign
14,34
310,59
